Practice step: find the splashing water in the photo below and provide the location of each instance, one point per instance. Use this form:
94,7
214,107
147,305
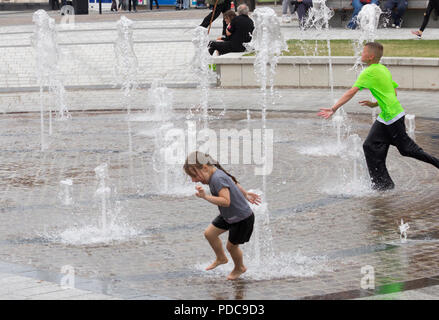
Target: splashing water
403,228
318,17
103,192
169,176
268,43
126,66
261,260
201,62
44,43
161,97
367,20
356,182
65,194
111,226
329,146
411,125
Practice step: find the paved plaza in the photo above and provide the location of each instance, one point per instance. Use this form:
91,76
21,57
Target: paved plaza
328,233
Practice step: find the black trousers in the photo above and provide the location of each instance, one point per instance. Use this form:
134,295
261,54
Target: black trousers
150,4
55,4
223,47
432,5
113,5
377,144
220,8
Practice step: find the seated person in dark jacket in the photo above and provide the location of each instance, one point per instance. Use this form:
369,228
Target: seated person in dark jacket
241,28
400,7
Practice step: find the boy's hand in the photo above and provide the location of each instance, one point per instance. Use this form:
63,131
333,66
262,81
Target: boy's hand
253,198
368,103
325,113
200,192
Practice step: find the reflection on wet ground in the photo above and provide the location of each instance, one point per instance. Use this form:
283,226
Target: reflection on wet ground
317,209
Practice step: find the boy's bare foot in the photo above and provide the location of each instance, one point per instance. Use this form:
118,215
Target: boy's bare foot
216,263
236,273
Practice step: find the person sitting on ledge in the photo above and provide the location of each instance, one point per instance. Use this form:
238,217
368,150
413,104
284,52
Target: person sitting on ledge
302,7
396,15
241,28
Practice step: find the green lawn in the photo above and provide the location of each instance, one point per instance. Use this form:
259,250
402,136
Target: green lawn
392,48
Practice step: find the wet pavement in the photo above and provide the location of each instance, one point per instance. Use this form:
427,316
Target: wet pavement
324,228
329,232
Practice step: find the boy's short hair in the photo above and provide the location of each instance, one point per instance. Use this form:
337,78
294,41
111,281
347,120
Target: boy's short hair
376,48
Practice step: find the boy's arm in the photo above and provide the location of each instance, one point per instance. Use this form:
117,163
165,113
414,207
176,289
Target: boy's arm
326,113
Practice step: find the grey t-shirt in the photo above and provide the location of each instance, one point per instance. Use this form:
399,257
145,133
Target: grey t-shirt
239,208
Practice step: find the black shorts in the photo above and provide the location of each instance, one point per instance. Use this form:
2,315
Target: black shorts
239,232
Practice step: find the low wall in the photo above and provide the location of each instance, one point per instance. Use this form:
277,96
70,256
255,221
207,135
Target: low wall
236,70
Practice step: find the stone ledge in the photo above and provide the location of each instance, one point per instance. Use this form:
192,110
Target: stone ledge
236,70
239,58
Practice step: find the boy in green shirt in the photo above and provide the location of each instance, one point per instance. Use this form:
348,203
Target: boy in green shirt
389,128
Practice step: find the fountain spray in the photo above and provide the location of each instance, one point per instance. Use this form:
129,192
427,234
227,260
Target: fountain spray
103,191
44,42
403,227
201,63
268,43
411,126
126,66
318,17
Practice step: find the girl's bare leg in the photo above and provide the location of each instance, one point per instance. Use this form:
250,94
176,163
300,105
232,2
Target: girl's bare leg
237,257
212,235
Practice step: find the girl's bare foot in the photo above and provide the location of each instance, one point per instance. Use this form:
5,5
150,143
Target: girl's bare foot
236,273
216,263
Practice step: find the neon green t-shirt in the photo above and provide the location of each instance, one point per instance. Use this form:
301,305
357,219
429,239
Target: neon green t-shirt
378,79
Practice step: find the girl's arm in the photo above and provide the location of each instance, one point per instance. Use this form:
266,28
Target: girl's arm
223,199
250,196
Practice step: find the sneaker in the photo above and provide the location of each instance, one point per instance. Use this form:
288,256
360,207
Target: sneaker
294,16
286,19
417,33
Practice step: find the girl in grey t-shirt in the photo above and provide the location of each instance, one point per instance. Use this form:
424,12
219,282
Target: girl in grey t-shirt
235,213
